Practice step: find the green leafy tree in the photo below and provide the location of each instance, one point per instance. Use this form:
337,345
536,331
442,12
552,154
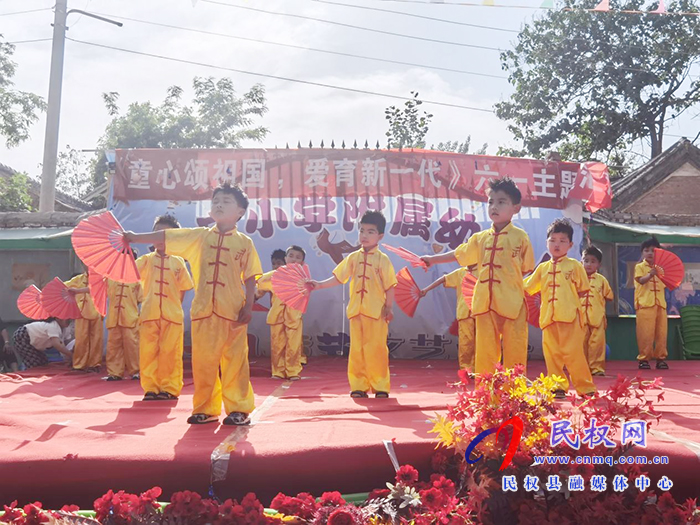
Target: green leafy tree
407,126
218,117
460,147
589,84
18,109
73,175
14,193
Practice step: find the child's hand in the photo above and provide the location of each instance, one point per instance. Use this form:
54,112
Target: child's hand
423,292
312,285
259,294
388,313
427,259
72,291
653,271
245,315
128,237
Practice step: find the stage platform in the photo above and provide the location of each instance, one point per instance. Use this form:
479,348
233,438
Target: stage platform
68,437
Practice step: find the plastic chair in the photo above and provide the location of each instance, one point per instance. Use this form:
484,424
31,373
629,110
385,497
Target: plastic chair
689,331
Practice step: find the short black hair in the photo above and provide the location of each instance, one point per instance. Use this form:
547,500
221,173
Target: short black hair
593,251
561,226
135,252
278,254
296,248
653,242
375,218
167,219
233,189
507,186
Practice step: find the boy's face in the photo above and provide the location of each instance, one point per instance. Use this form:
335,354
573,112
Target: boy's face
648,254
294,257
277,263
160,246
225,209
590,264
558,244
501,207
369,236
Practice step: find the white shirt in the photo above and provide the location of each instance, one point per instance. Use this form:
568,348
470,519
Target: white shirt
41,333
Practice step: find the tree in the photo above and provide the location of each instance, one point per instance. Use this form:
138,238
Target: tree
73,173
407,128
18,109
591,83
14,193
217,118
460,147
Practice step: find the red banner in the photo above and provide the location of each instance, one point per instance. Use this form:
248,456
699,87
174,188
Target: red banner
192,174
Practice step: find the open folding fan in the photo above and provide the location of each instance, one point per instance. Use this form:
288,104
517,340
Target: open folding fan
407,256
454,328
289,283
468,284
532,304
100,244
58,302
29,303
407,292
98,291
671,269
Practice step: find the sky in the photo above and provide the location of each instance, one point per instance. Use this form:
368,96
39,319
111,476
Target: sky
297,111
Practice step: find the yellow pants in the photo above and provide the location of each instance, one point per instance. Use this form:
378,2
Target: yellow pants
466,343
368,364
88,343
490,329
562,345
220,367
160,356
122,351
286,349
594,347
652,332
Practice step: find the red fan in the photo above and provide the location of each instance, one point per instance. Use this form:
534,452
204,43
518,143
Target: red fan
29,303
468,284
98,291
671,269
257,307
454,328
410,257
532,304
58,302
289,283
407,292
100,244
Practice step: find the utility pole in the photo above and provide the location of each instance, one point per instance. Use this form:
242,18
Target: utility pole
53,113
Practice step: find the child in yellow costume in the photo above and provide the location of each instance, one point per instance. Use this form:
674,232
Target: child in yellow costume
164,279
370,308
123,330
224,266
562,281
89,330
502,255
286,330
593,304
465,321
650,304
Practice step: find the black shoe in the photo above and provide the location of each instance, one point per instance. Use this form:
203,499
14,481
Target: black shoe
112,378
559,394
644,365
381,395
661,364
358,394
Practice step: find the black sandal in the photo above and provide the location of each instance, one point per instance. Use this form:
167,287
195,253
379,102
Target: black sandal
201,419
237,419
357,394
150,396
661,365
166,396
644,365
559,394
381,395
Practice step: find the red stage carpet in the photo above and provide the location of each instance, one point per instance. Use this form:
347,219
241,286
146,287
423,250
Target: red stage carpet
67,437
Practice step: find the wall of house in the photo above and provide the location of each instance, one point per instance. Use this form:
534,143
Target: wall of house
678,194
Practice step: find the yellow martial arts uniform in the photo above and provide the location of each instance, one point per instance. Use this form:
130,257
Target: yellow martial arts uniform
286,346
372,276
89,330
465,321
122,328
220,263
561,282
652,321
498,304
163,279
595,322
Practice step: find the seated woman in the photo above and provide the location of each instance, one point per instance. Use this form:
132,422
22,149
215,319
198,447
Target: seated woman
33,339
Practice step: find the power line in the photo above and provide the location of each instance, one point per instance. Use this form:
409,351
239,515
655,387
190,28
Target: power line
27,11
339,53
29,41
470,4
341,24
424,17
276,77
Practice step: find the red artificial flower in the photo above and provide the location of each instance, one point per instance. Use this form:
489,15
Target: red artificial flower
463,376
432,499
303,506
407,475
439,461
333,499
33,515
70,508
443,484
12,512
342,517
